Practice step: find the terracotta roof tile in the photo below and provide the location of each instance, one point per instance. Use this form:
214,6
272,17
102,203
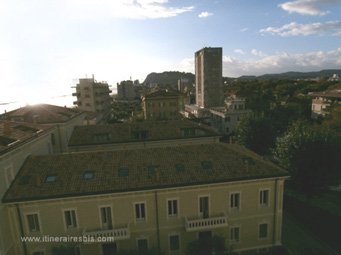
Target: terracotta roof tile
228,163
131,132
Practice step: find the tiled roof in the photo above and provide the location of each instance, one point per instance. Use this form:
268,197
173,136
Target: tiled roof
129,132
134,170
163,93
329,93
42,114
13,134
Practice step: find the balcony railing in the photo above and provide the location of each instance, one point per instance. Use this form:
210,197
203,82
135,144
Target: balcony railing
206,224
119,233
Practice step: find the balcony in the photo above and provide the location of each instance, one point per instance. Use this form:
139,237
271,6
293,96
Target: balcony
197,224
118,233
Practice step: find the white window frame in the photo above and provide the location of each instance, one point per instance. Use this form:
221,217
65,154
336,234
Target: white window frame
73,223
141,238
267,230
145,212
200,214
177,207
100,215
169,242
260,198
235,208
28,225
232,237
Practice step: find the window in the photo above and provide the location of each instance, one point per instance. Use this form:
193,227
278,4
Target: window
234,234
264,197
263,230
88,175
151,171
174,242
140,211
172,208
235,200
203,207
123,172
70,219
142,246
180,168
106,218
33,222
206,165
51,178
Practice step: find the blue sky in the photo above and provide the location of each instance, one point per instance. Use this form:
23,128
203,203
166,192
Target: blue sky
46,44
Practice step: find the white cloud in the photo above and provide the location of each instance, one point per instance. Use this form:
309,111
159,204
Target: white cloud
104,9
283,62
257,53
277,63
295,29
307,7
244,29
239,51
205,14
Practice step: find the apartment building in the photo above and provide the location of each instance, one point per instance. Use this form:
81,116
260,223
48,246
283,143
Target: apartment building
93,96
63,118
126,90
162,105
226,119
145,134
322,101
209,77
156,198
18,140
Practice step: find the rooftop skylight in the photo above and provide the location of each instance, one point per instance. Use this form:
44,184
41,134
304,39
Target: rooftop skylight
88,175
180,168
123,172
51,178
206,165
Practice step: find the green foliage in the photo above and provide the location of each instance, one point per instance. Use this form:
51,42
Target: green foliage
256,133
214,245
311,156
134,252
62,250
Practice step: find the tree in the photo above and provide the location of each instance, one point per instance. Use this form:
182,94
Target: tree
311,156
256,133
207,246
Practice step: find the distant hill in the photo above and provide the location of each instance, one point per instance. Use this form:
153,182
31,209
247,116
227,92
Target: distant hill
294,75
169,78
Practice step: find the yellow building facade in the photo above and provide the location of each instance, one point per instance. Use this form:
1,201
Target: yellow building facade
126,200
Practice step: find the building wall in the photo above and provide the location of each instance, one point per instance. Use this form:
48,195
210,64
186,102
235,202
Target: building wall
208,77
93,96
247,217
10,163
64,131
162,108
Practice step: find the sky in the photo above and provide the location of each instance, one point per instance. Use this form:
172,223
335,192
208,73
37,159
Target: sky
46,45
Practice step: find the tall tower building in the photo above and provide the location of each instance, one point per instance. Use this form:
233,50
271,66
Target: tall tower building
209,77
